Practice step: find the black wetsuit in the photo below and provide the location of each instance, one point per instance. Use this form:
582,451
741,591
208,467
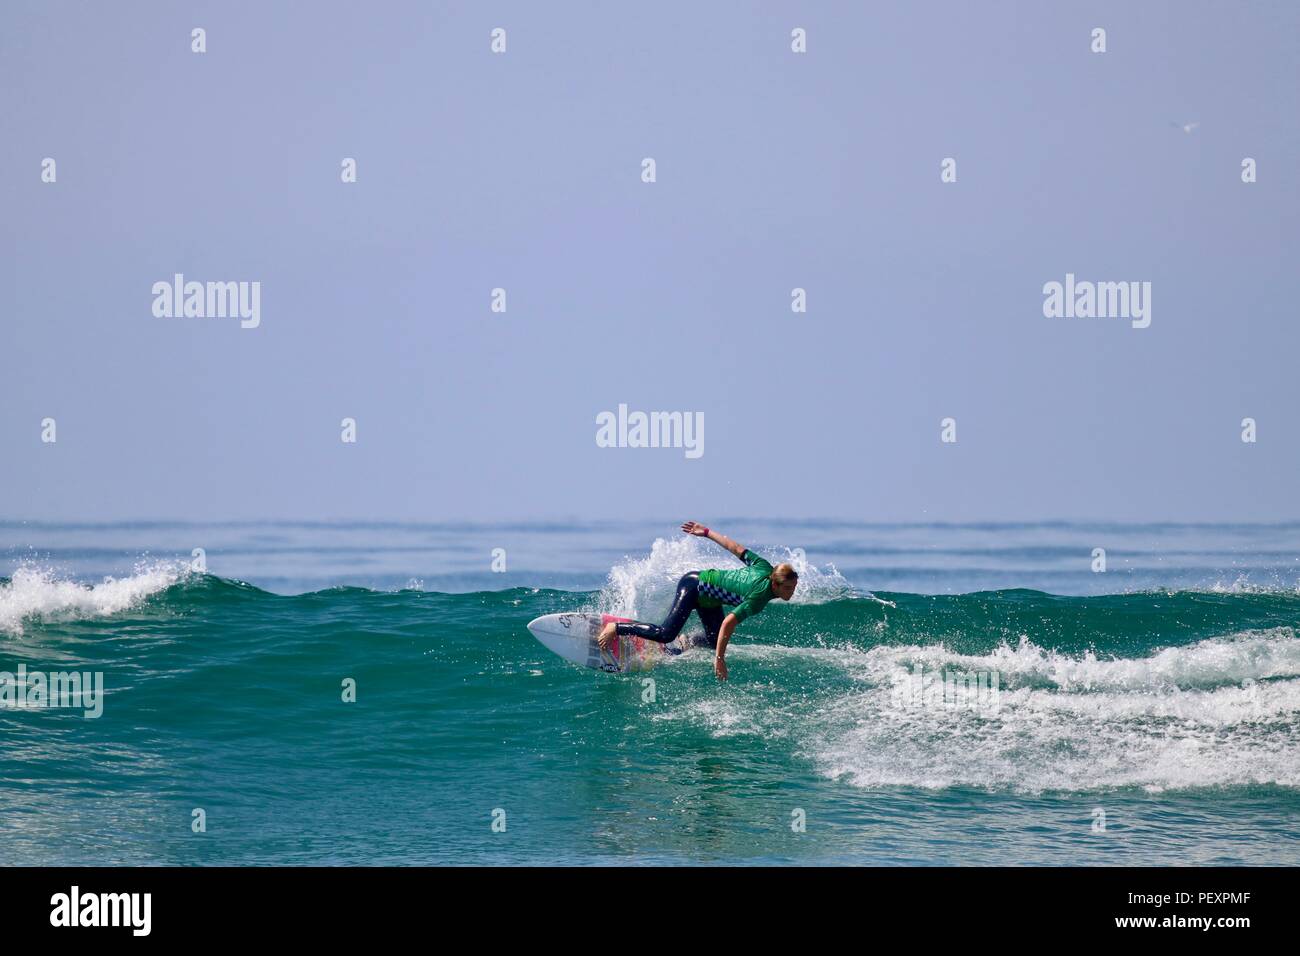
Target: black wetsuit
686,601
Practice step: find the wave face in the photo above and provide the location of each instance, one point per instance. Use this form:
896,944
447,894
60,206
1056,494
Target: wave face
1172,716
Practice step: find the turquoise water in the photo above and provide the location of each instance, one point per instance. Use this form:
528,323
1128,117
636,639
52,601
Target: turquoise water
1164,694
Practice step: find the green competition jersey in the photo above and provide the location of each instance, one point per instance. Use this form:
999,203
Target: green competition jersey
747,589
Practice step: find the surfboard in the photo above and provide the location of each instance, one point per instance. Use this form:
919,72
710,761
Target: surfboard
573,637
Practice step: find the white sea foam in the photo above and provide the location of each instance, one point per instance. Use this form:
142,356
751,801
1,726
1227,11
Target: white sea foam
1217,712
40,594
1220,712
1251,655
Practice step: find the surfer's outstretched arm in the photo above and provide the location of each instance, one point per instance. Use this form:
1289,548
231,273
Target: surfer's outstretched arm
697,529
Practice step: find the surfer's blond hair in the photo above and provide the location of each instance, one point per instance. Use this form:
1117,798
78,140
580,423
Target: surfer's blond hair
784,572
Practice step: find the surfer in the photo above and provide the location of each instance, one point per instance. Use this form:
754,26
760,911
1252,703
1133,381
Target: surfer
746,589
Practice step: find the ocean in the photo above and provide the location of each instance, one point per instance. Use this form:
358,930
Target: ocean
1147,713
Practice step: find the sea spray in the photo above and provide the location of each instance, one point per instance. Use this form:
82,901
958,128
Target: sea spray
643,588
41,594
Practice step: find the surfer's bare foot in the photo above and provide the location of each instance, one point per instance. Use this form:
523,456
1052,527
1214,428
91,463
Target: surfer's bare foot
607,635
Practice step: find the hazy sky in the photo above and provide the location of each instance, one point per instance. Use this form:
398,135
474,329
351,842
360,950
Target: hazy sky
775,170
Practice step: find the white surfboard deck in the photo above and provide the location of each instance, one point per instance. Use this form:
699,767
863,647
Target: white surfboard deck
573,636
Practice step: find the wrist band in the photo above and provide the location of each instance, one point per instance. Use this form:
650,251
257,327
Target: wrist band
706,531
